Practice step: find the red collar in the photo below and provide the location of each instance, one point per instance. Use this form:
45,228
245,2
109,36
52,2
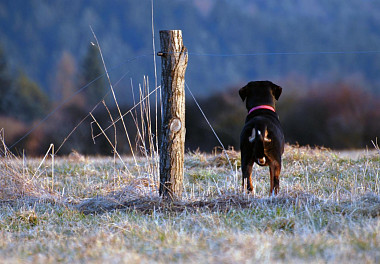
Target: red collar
262,107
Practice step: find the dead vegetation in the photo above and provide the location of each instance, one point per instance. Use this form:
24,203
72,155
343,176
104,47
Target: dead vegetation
328,210
79,209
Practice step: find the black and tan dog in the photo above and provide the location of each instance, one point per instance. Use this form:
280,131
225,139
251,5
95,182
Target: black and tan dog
262,139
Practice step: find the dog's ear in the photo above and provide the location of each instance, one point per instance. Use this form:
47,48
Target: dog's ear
243,92
276,90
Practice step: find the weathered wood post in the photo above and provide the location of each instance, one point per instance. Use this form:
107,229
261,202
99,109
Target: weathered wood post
174,59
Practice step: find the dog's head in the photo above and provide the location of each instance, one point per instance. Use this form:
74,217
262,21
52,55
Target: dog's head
260,93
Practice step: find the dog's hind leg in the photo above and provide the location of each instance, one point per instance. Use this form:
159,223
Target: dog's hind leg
247,158
275,169
247,177
246,167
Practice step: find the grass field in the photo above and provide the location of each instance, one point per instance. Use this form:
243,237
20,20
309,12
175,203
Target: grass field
101,210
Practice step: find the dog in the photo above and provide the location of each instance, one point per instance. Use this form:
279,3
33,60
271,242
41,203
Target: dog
262,138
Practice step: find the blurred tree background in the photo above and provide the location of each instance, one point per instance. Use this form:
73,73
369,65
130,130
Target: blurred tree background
329,99
91,70
5,83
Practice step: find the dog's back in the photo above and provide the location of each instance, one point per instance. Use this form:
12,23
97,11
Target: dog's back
266,136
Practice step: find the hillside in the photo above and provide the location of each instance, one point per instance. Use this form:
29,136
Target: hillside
36,33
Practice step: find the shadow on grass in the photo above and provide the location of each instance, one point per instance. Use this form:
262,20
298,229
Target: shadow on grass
365,206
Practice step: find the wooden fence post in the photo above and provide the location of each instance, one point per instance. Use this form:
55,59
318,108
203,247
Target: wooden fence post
174,59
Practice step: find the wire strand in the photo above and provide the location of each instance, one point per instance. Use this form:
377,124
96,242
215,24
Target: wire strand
282,53
213,131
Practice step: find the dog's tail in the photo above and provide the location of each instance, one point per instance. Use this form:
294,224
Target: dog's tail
258,137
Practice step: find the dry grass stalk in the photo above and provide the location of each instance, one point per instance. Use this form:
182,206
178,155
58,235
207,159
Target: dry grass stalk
114,97
18,182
